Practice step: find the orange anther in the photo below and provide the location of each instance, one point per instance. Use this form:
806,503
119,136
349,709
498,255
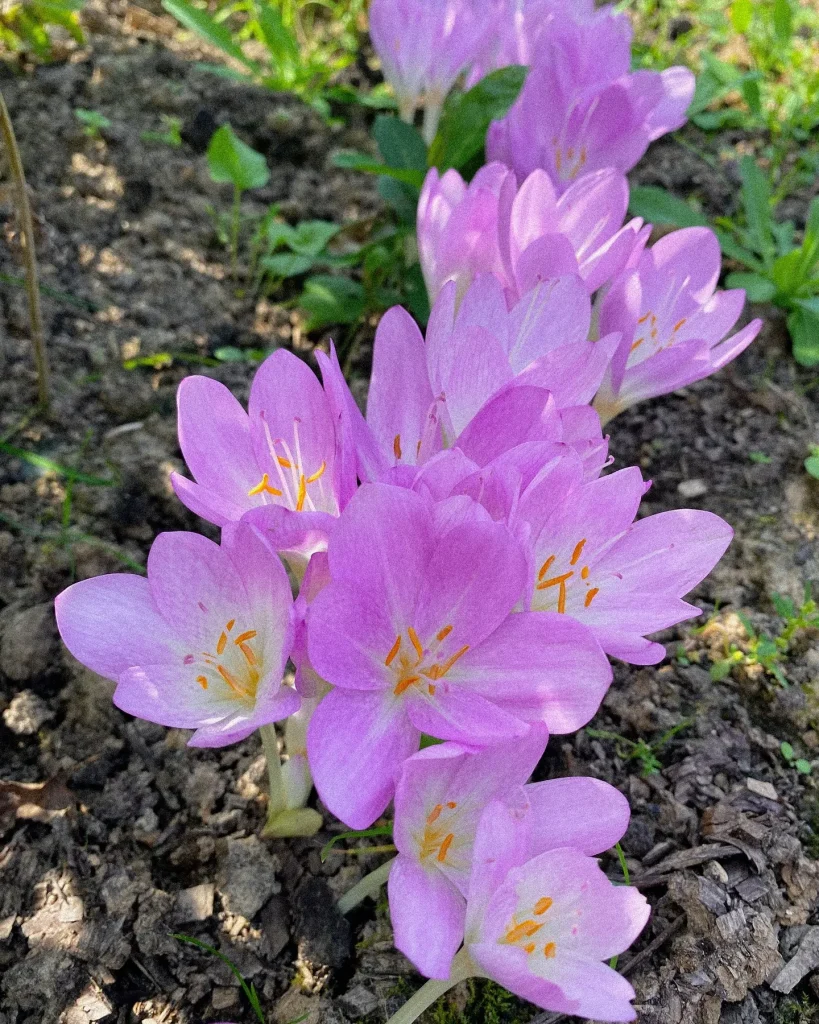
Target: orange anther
229,679
202,680
396,446
524,930
230,625
578,551
431,689
318,473
556,581
447,665
263,487
244,637
302,495
220,643
284,463
644,317
543,905
443,633
592,594
679,324
584,572
416,643
396,647
549,950
545,567
247,650
635,345
445,845
435,814
530,947
405,684
451,804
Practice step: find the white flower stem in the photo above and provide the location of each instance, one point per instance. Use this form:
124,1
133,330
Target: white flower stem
368,886
278,799
462,968
432,115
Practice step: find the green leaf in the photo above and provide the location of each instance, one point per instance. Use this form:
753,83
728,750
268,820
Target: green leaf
721,669
288,264
401,197
309,237
661,207
741,13
91,118
751,94
757,287
761,458
350,160
783,20
731,248
41,462
802,766
803,327
231,160
203,25
812,463
248,989
466,119
787,750
756,198
332,300
279,40
367,833
399,144
786,272
784,606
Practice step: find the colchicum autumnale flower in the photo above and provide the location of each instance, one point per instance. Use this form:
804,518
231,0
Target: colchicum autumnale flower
582,109
672,321
415,635
440,796
202,643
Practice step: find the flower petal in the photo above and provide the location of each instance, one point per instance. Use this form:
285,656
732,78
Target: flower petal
427,914
586,814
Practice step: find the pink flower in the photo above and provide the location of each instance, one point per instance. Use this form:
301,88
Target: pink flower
202,643
581,109
485,379
541,924
671,320
425,47
440,796
282,461
415,635
523,235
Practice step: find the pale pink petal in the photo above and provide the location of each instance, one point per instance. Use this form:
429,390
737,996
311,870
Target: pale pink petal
417,897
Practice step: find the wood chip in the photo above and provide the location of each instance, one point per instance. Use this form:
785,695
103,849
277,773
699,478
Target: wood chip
762,789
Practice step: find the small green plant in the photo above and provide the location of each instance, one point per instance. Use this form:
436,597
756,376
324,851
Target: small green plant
760,458
249,989
233,162
24,26
171,136
639,750
770,652
92,121
812,462
799,763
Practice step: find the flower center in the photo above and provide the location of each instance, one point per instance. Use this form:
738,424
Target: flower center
291,475
438,834
412,663
235,663
569,161
649,342
522,933
550,583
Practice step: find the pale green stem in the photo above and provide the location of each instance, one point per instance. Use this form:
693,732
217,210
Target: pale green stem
432,115
270,743
462,968
368,886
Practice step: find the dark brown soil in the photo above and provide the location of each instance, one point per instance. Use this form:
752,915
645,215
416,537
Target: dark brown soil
113,834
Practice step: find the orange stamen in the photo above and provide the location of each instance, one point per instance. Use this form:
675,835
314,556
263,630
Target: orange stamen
592,594
451,804
445,845
645,317
228,678
318,473
416,643
635,345
549,950
221,642
396,446
584,572
555,581
530,947
396,647
444,633
284,463
543,905
202,680
447,665
302,495
545,567
679,324
263,487
435,814
431,690
247,650
230,625
244,637
578,551
405,684
524,930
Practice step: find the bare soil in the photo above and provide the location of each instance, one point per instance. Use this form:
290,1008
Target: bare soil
113,834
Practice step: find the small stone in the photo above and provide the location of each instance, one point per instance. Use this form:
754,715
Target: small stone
716,872
222,998
29,645
763,789
195,904
72,910
296,1005
805,961
692,488
248,876
26,714
358,1002
274,924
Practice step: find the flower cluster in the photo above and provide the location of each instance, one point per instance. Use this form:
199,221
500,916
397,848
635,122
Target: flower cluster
464,567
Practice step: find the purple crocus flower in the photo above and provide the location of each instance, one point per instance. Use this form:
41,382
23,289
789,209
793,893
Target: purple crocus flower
542,924
439,798
672,322
415,635
485,379
591,561
425,47
281,461
523,235
582,109
202,643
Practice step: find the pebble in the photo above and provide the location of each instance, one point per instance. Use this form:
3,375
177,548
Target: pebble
26,714
692,488
29,643
764,789
194,904
247,877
